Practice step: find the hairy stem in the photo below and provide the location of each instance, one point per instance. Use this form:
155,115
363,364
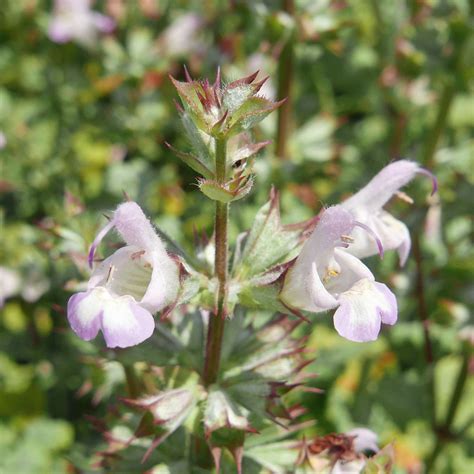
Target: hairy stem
217,320
285,79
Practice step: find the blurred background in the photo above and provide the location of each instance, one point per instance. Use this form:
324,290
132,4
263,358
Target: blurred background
84,118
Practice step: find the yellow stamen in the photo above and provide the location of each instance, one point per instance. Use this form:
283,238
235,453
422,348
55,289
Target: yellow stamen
330,273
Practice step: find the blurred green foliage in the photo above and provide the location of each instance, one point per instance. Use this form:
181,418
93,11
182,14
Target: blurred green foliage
373,81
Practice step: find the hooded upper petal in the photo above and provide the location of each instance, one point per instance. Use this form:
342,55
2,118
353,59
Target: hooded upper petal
123,322
362,310
375,194
135,229
366,208
164,283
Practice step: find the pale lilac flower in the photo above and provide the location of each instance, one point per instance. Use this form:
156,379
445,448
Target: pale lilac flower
180,38
10,284
29,288
34,285
73,20
367,208
129,286
326,276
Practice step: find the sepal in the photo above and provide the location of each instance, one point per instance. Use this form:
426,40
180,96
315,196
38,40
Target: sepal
225,424
225,427
233,190
269,243
250,114
168,409
222,111
240,150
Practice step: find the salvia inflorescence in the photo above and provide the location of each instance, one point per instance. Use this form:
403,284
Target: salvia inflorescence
205,379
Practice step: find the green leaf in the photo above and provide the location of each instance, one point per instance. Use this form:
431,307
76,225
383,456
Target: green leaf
246,151
269,242
234,97
276,457
252,111
201,148
216,191
262,297
193,162
188,95
52,435
313,141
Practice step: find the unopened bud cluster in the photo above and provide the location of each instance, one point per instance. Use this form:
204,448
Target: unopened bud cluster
217,114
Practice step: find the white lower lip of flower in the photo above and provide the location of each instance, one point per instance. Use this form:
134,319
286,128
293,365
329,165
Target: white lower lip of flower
90,306
362,310
123,322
